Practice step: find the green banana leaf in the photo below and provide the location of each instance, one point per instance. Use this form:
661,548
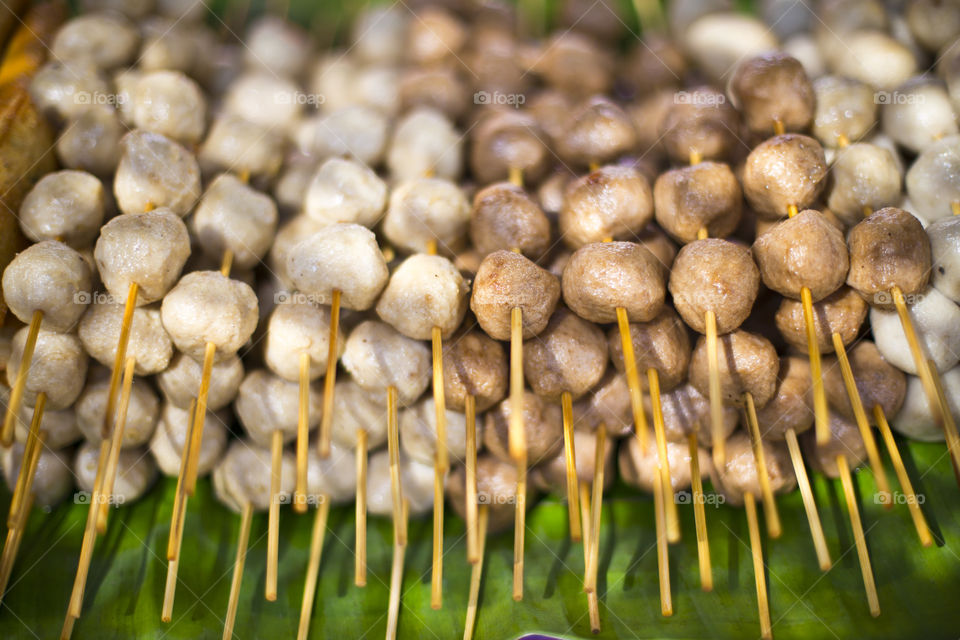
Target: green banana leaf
918,587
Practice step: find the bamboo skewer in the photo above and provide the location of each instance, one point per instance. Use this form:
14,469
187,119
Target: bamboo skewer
860,540
393,450
476,573
809,504
518,447
673,520
573,506
360,542
916,514
396,573
763,605
949,426
596,505
441,464
12,544
589,535
175,538
126,324
716,400
770,512
663,552
473,533
116,443
199,417
313,566
303,436
633,379
273,527
519,530
243,539
436,575
329,381
31,449
20,382
699,514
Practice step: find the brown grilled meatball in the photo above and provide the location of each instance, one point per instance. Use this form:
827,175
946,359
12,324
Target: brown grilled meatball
496,488
506,218
748,364
437,87
773,87
662,344
878,382
784,170
599,131
603,276
714,275
792,404
648,113
574,64
654,240
551,475
739,474
474,364
506,140
701,120
890,248
639,469
611,202
542,423
687,199
608,404
686,410
507,280
570,355
802,251
434,36
844,440
655,63
841,312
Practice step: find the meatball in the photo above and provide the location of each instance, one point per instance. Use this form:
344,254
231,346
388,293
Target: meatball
171,104
505,281
53,479
890,62
496,489
611,202
154,171
60,426
357,132
878,382
686,410
342,257
149,344
416,484
598,131
844,441
474,365
932,181
506,218
888,249
774,87
345,190
945,253
65,206
49,277
865,177
662,344
434,35
136,472
792,404
264,99
639,469
278,46
334,476
268,403
355,409
424,141
234,144
915,419
700,121
105,39
569,356
542,425
295,328
63,89
207,307
748,363
142,412
705,195
784,170
418,432
179,382
717,40
91,141
427,210
551,474
936,320
170,438
846,109
508,141
604,276
921,114
378,357
714,275
739,475
147,248
841,312
424,292
243,476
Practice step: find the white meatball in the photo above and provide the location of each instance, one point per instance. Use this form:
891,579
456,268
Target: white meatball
945,251
267,403
718,41
334,476
142,412
424,292
243,476
344,257
425,141
149,343
379,33
873,57
277,46
937,321
291,186
65,89
52,480
918,113
264,99
804,48
155,171
108,40
355,408
233,215
147,248
295,328
168,44
345,191
64,205
844,107
418,432
58,368
933,181
915,419
356,131
50,277
864,175
378,356
377,87
61,426
125,83
170,103
180,381
416,485
170,438
91,141
934,24
288,236
206,306
136,471
234,144
424,210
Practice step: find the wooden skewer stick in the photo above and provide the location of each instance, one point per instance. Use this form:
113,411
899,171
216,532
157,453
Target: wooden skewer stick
516,176
476,572
663,552
396,572
243,539
716,400
573,506
589,535
303,435
180,497
949,426
870,443
699,514
173,564
473,546
273,526
440,466
919,521
31,449
519,530
596,505
313,566
854,511
393,450
517,437
763,604
770,512
673,519
12,544
955,207
809,504
633,379
116,443
20,382
436,577
199,417
128,308
329,381
360,543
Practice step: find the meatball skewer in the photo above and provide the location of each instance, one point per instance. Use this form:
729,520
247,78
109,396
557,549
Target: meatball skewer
175,539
